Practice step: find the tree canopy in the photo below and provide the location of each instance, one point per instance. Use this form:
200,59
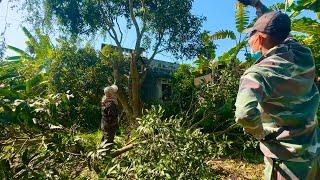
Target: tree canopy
159,25
162,25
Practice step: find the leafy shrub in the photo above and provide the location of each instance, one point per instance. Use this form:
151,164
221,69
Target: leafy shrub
47,72
165,150
84,74
39,155
158,149
210,107
183,93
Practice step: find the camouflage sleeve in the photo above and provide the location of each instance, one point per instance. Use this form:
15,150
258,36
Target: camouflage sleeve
262,9
251,92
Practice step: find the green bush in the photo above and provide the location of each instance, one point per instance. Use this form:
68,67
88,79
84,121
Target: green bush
161,149
165,150
84,74
39,77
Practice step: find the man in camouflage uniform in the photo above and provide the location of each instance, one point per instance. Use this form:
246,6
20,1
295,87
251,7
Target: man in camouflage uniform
109,110
278,100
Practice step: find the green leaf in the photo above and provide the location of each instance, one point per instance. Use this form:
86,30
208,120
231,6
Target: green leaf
15,49
306,25
10,94
223,34
35,81
313,5
13,58
277,6
24,157
288,3
233,52
19,51
5,168
242,18
31,38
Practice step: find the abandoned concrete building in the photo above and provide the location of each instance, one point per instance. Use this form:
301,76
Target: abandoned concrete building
157,85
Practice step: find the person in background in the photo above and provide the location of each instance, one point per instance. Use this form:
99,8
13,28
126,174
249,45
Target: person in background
278,100
109,110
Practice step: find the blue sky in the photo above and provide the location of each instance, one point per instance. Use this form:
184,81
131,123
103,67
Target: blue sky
219,14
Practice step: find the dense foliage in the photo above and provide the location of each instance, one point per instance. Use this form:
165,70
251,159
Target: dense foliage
165,150
64,79
160,26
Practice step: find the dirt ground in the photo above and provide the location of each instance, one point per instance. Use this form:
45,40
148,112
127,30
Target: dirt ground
236,169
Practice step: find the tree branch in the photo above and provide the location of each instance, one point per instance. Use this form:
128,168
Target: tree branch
121,93
135,85
112,36
137,28
122,150
155,52
125,149
124,102
162,50
218,133
133,18
121,33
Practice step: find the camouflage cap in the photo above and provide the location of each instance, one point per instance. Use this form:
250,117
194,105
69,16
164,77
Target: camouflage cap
274,23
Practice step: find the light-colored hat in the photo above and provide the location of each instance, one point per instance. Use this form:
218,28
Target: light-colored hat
111,89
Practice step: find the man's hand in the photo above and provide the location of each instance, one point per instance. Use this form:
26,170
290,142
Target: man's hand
261,8
249,2
256,132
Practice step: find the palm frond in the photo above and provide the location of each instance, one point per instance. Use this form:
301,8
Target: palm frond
306,25
223,34
17,50
277,6
13,58
300,5
20,52
30,37
313,5
230,55
242,18
288,3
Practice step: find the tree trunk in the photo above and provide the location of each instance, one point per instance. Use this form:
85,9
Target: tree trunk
135,94
135,88
131,102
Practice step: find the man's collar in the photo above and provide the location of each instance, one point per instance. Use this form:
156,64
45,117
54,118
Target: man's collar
275,50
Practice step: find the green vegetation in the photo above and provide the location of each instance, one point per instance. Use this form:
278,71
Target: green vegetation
50,93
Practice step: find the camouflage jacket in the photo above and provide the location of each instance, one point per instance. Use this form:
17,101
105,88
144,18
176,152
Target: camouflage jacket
278,100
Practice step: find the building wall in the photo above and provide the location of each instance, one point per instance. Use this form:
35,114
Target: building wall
151,88
155,86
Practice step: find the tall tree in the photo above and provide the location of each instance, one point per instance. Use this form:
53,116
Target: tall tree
160,26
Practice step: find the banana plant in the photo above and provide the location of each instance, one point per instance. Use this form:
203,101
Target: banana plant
33,62
301,5
307,28
242,22
205,56
39,48
306,25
